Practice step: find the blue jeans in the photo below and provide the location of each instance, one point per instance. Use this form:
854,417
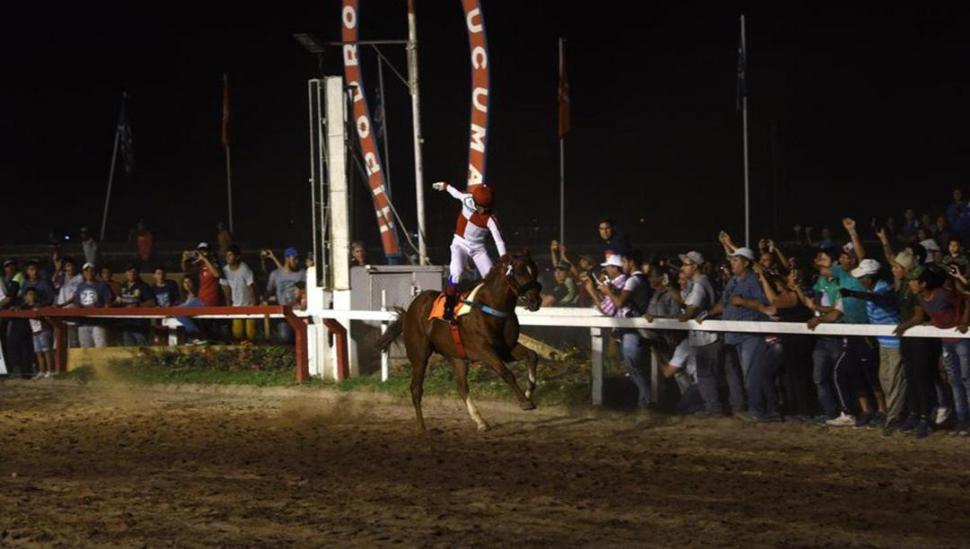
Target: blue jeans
284,333
762,395
827,352
740,358
958,368
191,329
634,350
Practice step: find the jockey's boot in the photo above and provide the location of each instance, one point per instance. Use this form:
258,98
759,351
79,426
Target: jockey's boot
451,299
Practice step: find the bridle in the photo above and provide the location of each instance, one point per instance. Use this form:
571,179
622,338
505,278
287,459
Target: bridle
517,289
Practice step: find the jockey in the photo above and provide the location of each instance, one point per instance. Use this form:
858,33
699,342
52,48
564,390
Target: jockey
474,221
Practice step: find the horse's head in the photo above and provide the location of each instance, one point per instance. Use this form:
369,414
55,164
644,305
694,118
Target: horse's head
522,276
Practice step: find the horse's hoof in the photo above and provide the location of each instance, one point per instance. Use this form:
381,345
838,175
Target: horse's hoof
482,427
528,394
527,405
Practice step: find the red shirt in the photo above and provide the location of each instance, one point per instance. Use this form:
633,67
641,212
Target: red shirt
208,287
144,244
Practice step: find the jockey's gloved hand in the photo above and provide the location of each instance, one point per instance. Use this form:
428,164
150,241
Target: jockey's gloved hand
439,185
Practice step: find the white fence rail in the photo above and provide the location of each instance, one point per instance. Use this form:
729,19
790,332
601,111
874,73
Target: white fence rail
573,317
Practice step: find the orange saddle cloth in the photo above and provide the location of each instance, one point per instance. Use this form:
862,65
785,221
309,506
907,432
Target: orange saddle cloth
438,308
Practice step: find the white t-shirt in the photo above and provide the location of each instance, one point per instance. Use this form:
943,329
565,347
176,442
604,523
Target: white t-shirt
67,289
239,281
701,295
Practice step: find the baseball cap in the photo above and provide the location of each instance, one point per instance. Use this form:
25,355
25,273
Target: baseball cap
694,256
743,252
87,266
201,245
7,262
291,252
131,267
905,259
866,267
613,260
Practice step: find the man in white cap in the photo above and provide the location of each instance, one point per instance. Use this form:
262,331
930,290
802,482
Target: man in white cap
882,307
705,346
744,356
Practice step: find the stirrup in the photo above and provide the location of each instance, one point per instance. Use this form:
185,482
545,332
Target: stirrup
449,313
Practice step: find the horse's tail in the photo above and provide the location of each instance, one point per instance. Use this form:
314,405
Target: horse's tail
394,330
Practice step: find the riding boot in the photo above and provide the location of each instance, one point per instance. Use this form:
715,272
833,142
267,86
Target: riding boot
451,299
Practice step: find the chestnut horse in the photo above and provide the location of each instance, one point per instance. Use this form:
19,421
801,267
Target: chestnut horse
489,333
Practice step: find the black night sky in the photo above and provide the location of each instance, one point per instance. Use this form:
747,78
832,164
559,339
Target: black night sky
855,110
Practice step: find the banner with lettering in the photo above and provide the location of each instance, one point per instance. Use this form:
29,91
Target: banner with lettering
365,129
478,47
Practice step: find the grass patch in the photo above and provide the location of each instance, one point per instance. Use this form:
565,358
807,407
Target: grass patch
560,383
566,384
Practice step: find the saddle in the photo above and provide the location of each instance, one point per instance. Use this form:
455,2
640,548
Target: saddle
461,308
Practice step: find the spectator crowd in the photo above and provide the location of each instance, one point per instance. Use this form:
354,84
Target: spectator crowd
900,275
208,278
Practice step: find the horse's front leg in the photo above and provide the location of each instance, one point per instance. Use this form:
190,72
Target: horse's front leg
492,359
521,352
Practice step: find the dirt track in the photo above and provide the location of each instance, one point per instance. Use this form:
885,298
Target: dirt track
81,465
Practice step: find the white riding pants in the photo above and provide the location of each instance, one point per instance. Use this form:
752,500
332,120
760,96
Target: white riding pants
461,250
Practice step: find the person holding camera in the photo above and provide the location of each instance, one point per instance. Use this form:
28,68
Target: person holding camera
201,262
626,294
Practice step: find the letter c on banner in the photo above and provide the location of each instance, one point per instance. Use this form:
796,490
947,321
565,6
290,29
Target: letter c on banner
470,17
479,58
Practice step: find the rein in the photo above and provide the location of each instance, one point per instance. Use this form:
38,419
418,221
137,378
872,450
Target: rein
516,290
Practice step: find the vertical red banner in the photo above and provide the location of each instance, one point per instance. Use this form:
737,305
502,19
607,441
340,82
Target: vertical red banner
478,46
365,130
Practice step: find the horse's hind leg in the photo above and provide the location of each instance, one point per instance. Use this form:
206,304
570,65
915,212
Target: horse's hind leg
521,352
419,364
461,378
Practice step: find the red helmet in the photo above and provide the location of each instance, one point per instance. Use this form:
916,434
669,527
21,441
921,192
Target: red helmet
482,195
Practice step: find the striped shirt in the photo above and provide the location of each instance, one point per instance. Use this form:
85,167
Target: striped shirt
606,305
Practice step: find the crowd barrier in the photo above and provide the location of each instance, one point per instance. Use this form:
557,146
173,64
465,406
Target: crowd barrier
563,317
56,316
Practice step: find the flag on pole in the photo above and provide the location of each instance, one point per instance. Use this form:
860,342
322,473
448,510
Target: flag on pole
124,136
742,90
225,110
563,97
